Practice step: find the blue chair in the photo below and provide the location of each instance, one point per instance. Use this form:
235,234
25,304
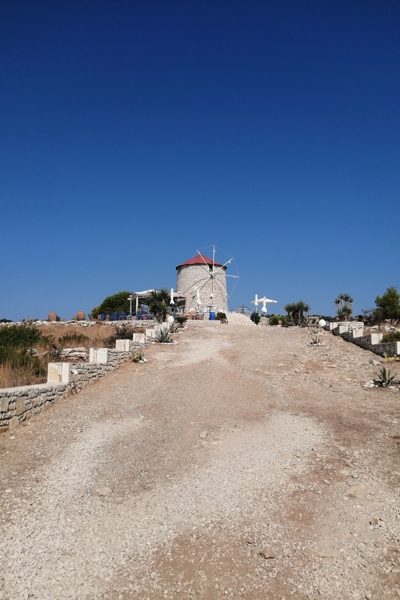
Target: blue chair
114,317
102,317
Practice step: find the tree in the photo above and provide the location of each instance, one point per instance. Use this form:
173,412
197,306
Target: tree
158,303
116,303
344,306
296,311
388,305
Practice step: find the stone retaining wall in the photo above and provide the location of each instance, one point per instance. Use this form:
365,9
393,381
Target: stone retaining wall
20,403
370,342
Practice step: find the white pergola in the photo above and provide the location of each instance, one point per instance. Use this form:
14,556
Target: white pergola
138,295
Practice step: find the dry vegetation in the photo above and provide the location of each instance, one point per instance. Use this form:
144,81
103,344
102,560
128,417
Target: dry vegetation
26,363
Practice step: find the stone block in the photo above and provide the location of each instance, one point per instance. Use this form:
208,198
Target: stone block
356,333
139,338
98,355
20,406
122,345
4,404
13,424
376,338
58,373
343,328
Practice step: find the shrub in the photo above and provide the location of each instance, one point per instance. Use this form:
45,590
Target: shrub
20,336
220,316
72,339
273,320
255,317
391,337
122,332
181,319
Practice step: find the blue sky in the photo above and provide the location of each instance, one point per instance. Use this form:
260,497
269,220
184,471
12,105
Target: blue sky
135,132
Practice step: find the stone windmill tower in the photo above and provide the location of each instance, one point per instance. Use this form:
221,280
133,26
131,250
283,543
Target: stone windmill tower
203,281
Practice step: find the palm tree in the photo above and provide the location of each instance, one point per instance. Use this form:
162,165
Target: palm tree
296,311
344,306
290,309
158,305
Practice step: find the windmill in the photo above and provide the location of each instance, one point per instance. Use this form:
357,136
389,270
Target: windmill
203,281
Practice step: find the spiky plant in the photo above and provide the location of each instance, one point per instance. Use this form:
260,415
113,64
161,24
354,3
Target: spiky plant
385,378
181,319
164,337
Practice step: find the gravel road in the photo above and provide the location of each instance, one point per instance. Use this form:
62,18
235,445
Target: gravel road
239,463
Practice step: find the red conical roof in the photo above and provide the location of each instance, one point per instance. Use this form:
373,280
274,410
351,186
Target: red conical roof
199,259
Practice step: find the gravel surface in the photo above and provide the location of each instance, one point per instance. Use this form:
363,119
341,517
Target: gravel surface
238,463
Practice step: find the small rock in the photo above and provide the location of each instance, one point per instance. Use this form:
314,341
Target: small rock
203,435
324,551
267,553
356,491
104,491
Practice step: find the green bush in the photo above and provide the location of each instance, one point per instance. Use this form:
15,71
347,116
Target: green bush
255,317
71,339
20,336
122,332
220,316
273,320
391,337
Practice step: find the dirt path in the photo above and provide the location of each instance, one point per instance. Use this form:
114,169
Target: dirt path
240,463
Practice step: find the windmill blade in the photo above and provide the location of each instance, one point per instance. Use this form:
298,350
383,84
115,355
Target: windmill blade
228,262
205,279
206,268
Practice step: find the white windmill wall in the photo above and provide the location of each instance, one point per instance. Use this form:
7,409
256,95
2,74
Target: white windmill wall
191,277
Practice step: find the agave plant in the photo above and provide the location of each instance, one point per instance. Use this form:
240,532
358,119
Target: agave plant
164,337
385,378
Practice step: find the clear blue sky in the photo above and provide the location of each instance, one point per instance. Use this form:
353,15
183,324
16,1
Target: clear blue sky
135,132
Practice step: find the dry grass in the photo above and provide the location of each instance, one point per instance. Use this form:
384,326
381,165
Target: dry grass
98,336
11,376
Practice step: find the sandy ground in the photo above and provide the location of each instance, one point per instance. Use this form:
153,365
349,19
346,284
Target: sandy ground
239,463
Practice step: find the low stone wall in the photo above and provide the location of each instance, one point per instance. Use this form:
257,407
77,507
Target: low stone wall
20,403
372,342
